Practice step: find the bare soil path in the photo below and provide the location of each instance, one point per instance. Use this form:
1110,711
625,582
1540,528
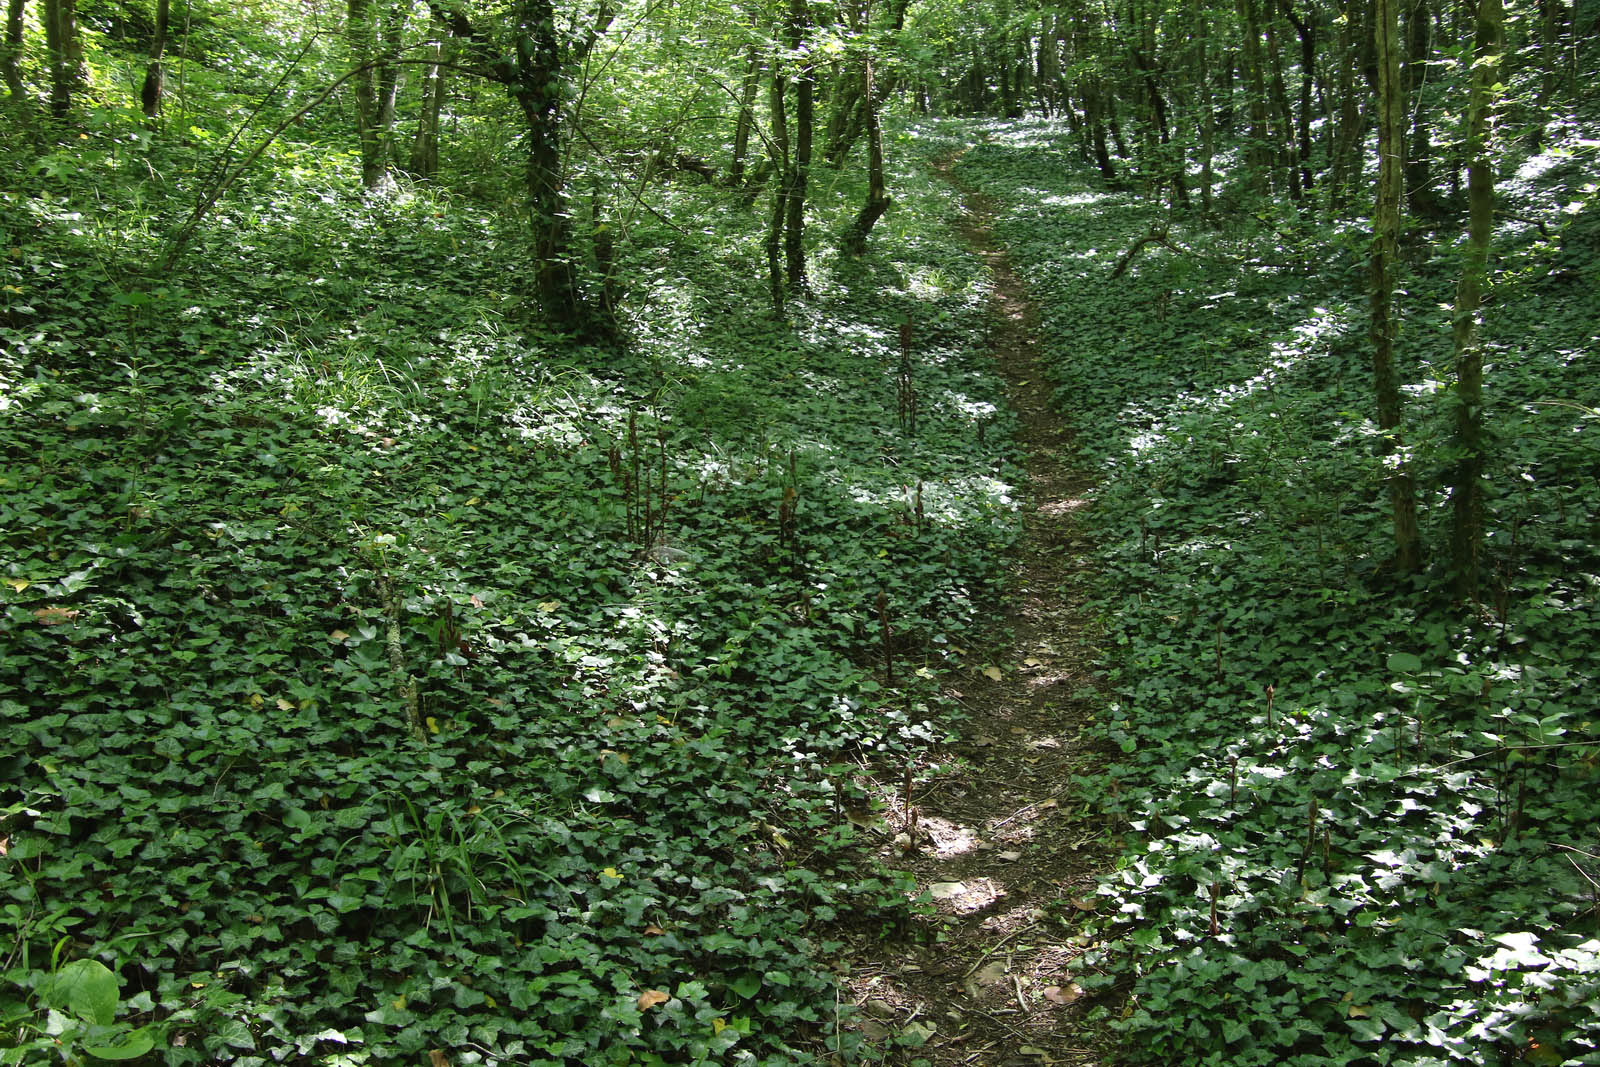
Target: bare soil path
1000,843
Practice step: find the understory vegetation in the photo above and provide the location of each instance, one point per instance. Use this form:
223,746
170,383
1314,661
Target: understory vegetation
385,673
459,587
1360,823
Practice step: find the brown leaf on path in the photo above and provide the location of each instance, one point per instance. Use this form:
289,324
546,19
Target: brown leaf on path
54,616
1063,994
651,997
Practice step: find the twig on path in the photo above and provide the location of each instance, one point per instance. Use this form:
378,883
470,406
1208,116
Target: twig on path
1021,812
996,948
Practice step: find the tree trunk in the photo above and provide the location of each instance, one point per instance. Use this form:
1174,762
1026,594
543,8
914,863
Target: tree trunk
362,36
1208,113
1420,197
1552,24
1096,123
155,75
794,225
780,196
390,40
1283,140
1047,66
66,54
1345,165
425,147
1466,541
11,56
1306,30
848,119
747,116
538,92
1386,236
1258,151
855,242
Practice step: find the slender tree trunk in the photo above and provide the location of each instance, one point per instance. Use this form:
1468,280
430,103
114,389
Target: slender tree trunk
11,56
1093,118
155,75
1306,30
1208,112
362,36
1258,152
1420,199
1345,166
848,119
794,225
425,146
1115,127
1385,245
1552,24
1169,166
1283,142
1047,78
855,242
1466,541
747,115
780,197
390,40
66,54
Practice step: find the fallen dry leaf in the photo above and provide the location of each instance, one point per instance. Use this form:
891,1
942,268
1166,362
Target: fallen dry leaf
338,636
54,616
1063,994
993,673
437,1058
651,997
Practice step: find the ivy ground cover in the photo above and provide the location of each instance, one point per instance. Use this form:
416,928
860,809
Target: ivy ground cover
1359,819
383,675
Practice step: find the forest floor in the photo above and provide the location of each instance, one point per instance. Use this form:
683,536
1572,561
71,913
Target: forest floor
1009,860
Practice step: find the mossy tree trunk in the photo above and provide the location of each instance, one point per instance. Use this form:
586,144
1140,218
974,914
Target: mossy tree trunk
1466,493
1391,105
66,54
747,116
155,74
794,257
878,201
11,52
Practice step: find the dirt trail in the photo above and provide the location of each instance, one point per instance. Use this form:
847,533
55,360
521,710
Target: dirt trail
999,842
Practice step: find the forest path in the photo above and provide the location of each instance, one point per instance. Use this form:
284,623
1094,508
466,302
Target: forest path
1008,857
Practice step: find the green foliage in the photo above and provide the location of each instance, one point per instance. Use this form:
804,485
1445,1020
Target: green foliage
1358,827
258,513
